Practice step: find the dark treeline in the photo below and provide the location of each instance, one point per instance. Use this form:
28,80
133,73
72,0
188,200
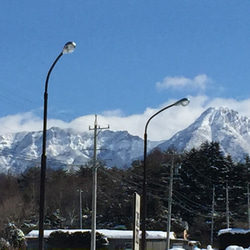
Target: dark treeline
196,174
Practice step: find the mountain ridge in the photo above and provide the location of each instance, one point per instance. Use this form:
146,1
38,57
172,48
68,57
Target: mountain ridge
67,148
222,125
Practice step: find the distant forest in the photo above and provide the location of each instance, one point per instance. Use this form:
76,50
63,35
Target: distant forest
204,181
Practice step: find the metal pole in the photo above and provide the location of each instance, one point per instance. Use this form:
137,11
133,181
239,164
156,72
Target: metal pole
227,205
94,190
183,102
248,204
212,219
68,48
144,194
80,211
170,203
44,160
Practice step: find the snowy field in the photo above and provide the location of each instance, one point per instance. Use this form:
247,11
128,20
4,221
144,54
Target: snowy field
236,248
210,248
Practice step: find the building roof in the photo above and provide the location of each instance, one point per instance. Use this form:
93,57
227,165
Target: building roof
109,233
234,231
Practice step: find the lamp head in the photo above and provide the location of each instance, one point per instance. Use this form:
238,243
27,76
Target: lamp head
184,102
69,47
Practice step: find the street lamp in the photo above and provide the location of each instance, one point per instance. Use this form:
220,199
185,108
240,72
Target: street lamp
68,48
183,102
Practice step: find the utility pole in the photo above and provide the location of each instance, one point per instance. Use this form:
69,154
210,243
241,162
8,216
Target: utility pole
94,187
80,210
227,205
248,204
170,202
212,220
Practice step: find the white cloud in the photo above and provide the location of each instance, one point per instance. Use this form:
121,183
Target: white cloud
116,112
26,122
20,122
161,127
179,82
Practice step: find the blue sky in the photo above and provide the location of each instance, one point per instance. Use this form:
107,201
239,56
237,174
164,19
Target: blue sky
132,58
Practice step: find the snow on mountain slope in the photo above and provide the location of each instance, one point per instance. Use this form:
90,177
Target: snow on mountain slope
68,149
215,124
122,148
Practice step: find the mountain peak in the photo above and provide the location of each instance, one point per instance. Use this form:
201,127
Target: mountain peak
222,115
222,125
68,148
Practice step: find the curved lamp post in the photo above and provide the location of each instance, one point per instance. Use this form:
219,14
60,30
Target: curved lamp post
183,102
68,48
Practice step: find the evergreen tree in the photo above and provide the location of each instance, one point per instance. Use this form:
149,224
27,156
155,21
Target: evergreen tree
202,169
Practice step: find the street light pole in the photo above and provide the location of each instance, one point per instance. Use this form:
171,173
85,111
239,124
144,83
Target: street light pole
68,48
183,102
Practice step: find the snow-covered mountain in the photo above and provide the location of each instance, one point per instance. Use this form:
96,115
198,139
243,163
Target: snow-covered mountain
68,149
215,124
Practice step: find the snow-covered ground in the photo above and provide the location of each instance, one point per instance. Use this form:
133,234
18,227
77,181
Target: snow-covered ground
210,248
236,248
